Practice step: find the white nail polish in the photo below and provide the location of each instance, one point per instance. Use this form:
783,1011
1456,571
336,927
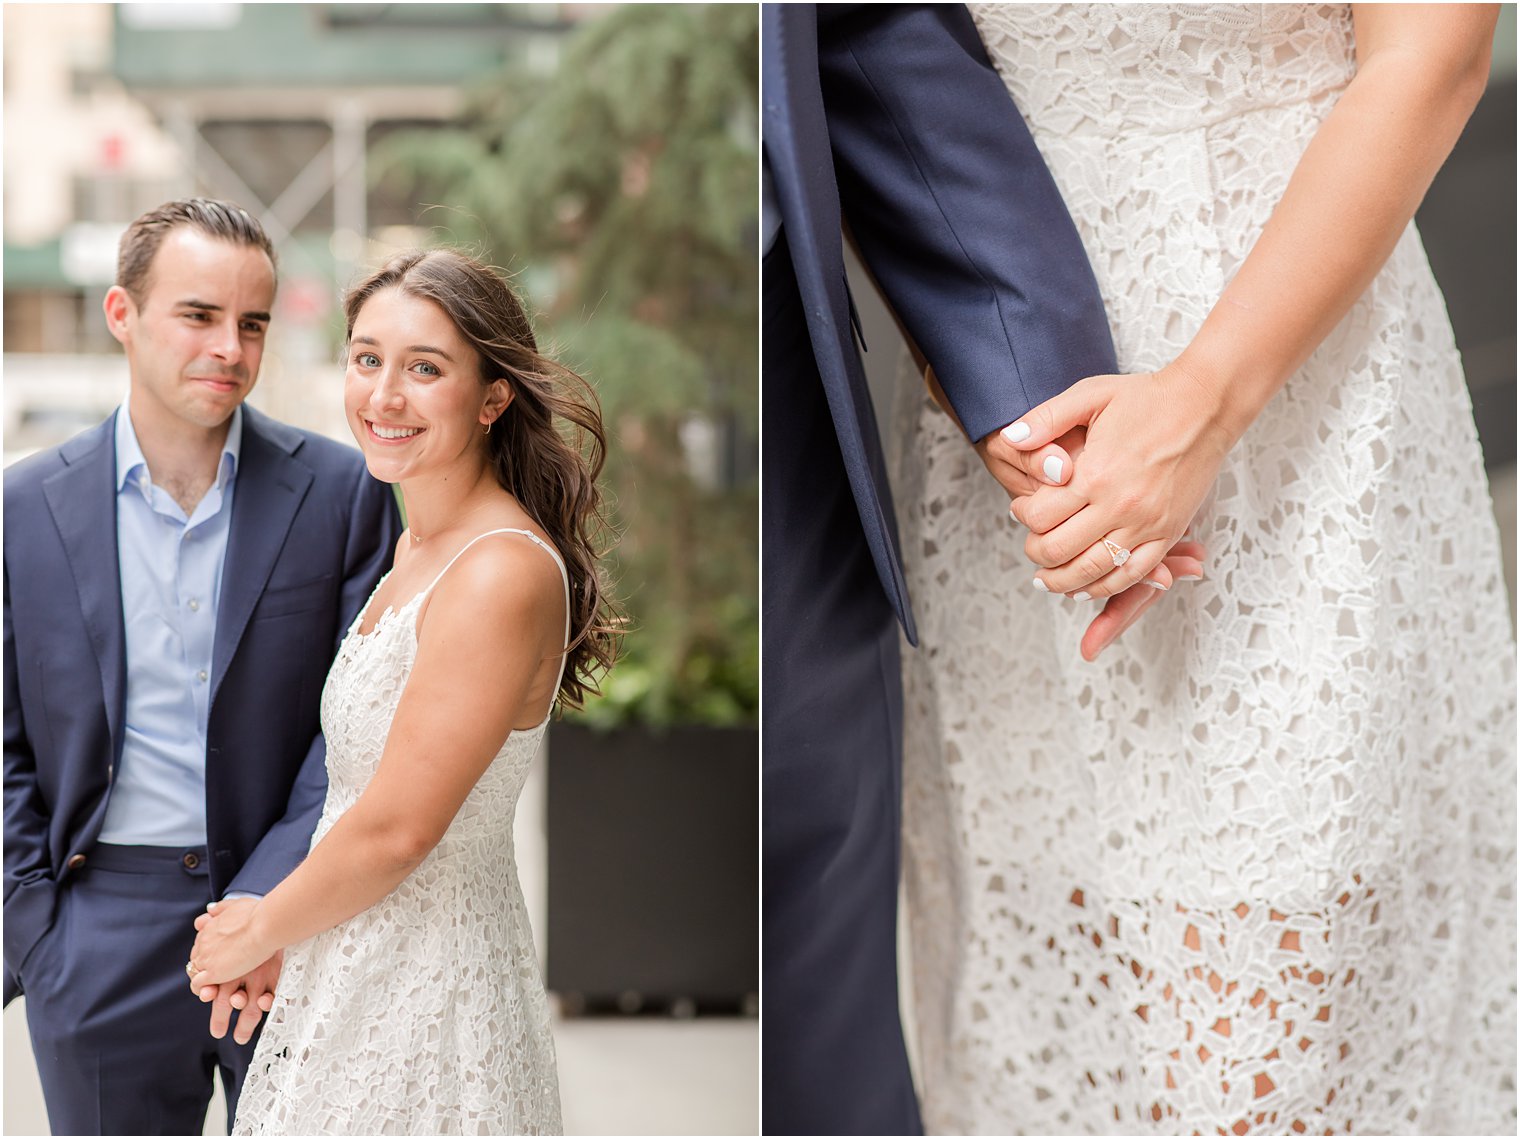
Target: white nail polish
1016,432
1041,586
1156,584
1191,577
1084,596
1053,468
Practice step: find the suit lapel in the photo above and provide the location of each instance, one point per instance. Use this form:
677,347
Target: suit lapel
271,484
807,192
82,501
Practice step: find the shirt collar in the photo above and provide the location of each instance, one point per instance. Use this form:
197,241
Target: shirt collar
129,455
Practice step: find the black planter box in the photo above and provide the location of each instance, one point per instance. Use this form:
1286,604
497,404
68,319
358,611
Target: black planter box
653,869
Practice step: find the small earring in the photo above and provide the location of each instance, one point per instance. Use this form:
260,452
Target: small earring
487,431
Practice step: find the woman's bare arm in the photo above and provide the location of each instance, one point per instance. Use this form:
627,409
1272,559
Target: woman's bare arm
1155,443
488,628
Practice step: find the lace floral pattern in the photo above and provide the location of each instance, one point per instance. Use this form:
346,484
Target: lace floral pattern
1253,872
426,1013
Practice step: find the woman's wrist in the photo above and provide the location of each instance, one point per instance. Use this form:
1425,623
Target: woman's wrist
260,933
1230,394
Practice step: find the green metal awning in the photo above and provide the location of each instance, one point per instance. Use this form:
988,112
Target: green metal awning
35,266
321,45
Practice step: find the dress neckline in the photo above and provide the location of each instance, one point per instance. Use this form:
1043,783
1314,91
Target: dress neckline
391,614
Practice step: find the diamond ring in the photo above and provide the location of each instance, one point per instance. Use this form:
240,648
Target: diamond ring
1117,552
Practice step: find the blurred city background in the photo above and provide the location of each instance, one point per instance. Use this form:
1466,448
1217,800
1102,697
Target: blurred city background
607,157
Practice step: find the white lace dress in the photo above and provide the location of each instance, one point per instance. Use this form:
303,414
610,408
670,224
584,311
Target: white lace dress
1253,871
426,1013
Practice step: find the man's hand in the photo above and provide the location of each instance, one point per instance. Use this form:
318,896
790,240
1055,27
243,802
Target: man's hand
1017,472
1184,562
1021,473
252,995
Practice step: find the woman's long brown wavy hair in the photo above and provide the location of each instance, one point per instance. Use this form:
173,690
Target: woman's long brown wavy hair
547,447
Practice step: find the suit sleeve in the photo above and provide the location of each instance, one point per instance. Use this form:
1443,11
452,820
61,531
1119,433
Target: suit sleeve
954,210
374,527
29,882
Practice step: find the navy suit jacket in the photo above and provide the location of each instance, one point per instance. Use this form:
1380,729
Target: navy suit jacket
310,535
891,118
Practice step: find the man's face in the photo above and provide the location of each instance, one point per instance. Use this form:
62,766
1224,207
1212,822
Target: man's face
194,343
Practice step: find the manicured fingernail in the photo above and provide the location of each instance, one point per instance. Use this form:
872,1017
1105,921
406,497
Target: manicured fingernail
1053,468
1156,584
1191,577
1041,586
1081,596
1016,432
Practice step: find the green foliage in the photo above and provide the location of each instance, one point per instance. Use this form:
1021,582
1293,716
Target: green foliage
632,174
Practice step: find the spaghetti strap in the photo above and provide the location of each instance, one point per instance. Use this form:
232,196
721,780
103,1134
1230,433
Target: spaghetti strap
564,575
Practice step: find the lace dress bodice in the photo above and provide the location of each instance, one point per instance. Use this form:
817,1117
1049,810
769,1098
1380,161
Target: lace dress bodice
1141,71
426,1013
1252,871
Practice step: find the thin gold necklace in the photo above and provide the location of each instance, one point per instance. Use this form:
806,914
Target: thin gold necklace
417,538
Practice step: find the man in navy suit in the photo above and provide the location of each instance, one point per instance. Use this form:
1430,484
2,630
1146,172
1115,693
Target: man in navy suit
890,119
176,582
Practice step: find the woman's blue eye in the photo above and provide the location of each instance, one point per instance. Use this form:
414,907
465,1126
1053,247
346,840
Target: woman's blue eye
431,369
367,360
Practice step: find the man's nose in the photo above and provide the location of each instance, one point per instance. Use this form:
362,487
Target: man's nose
227,343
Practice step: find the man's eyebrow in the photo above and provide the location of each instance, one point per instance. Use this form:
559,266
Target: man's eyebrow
410,348
207,306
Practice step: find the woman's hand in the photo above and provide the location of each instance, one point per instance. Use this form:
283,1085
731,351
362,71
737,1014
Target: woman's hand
1154,446
1155,443
229,945
1183,563
1017,472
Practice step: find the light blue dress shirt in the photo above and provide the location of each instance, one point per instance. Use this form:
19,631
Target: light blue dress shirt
171,580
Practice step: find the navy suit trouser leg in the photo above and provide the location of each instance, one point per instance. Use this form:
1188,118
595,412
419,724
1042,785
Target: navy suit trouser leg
833,1059
122,1044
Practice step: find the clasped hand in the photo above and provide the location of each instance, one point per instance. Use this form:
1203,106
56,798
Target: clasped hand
1152,450
1139,482
233,969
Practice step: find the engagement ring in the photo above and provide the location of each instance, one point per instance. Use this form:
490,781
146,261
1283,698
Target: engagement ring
190,969
1117,552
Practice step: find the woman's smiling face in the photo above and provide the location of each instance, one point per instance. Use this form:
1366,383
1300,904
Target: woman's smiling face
413,390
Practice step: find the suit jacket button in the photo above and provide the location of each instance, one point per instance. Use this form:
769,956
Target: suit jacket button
191,860
76,862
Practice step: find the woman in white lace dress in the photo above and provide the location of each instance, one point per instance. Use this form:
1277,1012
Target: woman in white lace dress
410,1000
1251,871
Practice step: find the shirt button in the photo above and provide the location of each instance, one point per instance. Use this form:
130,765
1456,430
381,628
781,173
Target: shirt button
201,676
194,605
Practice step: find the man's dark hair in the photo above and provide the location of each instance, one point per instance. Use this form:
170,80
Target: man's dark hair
139,245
